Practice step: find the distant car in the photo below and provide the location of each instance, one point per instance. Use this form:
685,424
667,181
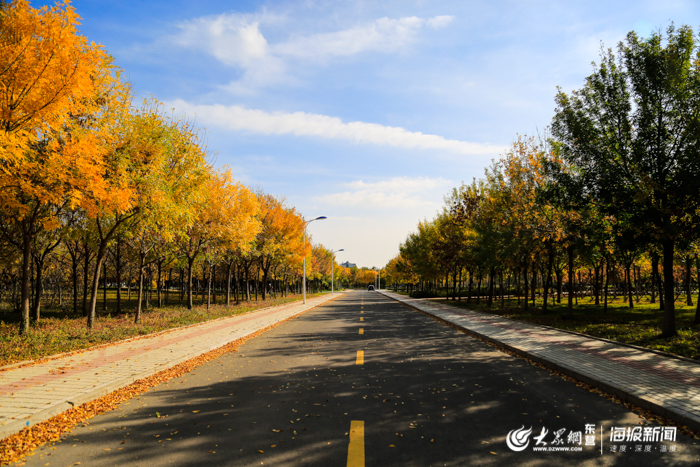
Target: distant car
371,287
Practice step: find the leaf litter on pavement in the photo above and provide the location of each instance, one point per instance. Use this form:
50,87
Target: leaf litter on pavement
16,447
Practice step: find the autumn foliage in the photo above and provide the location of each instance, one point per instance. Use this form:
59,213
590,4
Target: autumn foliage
97,194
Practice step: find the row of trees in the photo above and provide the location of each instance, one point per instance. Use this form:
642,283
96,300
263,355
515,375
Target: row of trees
615,186
87,179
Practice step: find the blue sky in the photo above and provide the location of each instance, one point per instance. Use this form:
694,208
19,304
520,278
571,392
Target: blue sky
366,112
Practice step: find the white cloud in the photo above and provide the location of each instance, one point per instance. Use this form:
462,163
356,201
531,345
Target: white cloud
383,35
438,22
236,40
397,192
239,118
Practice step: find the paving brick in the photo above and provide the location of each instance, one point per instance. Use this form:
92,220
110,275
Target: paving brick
36,393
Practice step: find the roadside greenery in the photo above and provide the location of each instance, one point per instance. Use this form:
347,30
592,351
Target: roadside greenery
605,206
58,332
97,193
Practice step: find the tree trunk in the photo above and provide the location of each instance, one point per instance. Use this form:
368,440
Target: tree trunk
190,266
74,267
688,280
478,288
533,285
38,288
629,284
139,299
104,288
158,286
118,267
264,284
26,262
697,308
525,301
560,280
654,274
209,287
86,277
490,301
247,283
503,295
548,279
101,252
182,284
570,301
596,289
669,326
228,284
471,283
461,285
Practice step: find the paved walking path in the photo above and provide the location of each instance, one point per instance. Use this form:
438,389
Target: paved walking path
660,382
32,394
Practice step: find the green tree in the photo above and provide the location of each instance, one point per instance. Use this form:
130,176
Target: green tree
633,133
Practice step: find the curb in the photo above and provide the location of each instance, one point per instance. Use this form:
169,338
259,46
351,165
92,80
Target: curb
94,393
642,401
25,363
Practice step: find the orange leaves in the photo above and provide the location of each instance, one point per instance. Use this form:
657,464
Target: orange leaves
48,83
48,68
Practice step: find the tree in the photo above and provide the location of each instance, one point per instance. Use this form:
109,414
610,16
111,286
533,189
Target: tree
48,76
633,135
226,214
280,229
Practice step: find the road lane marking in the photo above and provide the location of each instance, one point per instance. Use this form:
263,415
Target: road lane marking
361,318
362,330
356,447
361,311
360,357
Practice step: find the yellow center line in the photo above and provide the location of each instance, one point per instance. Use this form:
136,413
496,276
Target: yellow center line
361,318
356,447
362,330
360,357
361,311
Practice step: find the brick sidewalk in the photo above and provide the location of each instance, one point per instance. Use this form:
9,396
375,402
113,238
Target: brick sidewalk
660,382
32,394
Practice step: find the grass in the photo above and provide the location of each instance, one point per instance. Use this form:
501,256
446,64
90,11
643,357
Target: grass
639,326
58,331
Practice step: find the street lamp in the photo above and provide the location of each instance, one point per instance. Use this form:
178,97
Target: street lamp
332,264
304,245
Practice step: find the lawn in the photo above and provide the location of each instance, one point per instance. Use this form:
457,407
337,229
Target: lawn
58,331
639,326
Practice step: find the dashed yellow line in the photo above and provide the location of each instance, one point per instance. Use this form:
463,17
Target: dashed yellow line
361,318
356,447
360,357
361,311
362,330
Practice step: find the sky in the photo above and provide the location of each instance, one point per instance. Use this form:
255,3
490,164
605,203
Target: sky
366,112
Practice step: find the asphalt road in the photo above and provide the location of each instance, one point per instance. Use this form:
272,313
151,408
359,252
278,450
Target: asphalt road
425,394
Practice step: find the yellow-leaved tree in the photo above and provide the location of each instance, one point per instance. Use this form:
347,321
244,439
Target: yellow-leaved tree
226,216
49,78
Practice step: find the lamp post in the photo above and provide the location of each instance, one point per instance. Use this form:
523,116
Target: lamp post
379,285
303,287
332,264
